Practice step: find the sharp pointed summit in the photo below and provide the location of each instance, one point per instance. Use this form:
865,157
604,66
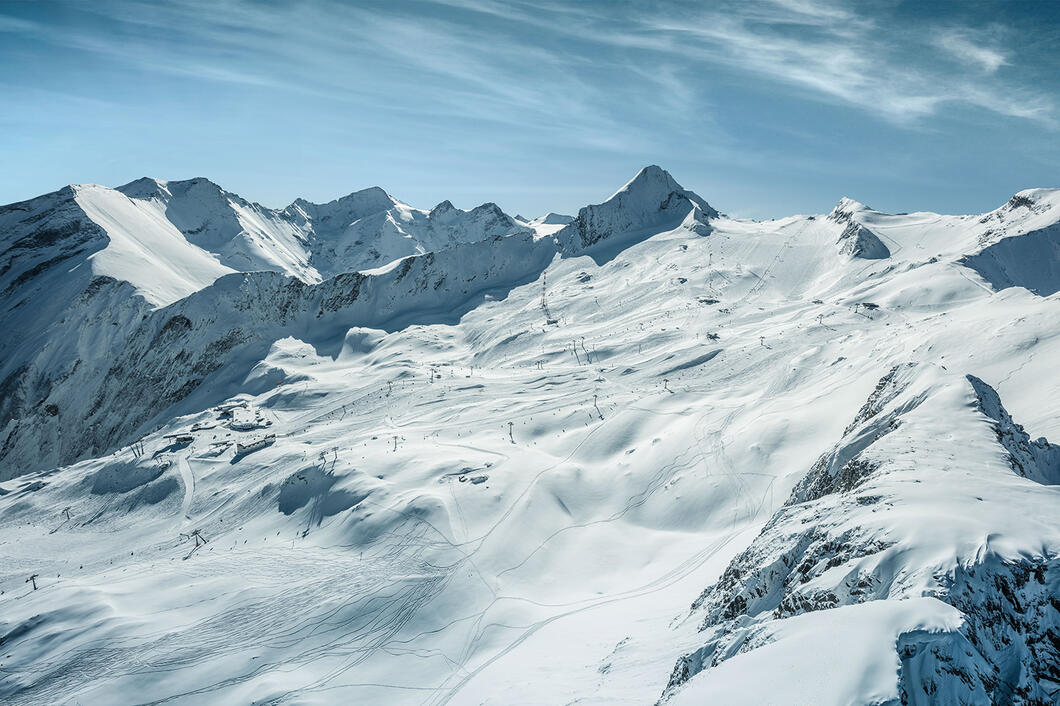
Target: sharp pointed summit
654,181
442,208
847,209
650,198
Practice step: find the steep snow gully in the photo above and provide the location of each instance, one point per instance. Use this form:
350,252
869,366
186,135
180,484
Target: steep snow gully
364,452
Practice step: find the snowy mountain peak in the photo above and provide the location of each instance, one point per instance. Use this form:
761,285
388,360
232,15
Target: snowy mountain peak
447,212
195,188
1016,244
241,235
856,239
185,185
490,207
552,219
349,207
1029,197
492,211
651,175
1026,210
650,198
444,207
847,209
653,182
143,188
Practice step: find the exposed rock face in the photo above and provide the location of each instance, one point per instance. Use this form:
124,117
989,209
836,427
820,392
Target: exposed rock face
1038,459
51,299
843,468
39,234
857,240
1007,651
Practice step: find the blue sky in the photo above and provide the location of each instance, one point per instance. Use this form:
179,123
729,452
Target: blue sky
763,108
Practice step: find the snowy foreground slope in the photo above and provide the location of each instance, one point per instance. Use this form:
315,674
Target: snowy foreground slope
650,455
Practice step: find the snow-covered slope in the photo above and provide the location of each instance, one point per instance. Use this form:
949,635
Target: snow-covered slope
145,249
126,379
503,469
549,223
243,236
906,529
86,269
1031,260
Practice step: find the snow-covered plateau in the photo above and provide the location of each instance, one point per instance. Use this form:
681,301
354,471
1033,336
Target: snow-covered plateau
360,452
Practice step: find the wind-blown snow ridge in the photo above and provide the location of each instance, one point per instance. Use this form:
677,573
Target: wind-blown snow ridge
243,236
145,249
1020,243
834,544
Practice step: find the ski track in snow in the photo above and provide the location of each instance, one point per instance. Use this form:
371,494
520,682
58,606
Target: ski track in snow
189,485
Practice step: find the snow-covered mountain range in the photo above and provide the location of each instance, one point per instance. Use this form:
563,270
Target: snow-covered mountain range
363,452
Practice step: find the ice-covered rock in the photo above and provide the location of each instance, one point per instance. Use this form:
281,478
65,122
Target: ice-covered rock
858,241
895,512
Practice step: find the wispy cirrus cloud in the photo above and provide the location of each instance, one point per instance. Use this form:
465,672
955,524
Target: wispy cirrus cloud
553,62
839,55
833,51
971,48
412,88
375,56
17,25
